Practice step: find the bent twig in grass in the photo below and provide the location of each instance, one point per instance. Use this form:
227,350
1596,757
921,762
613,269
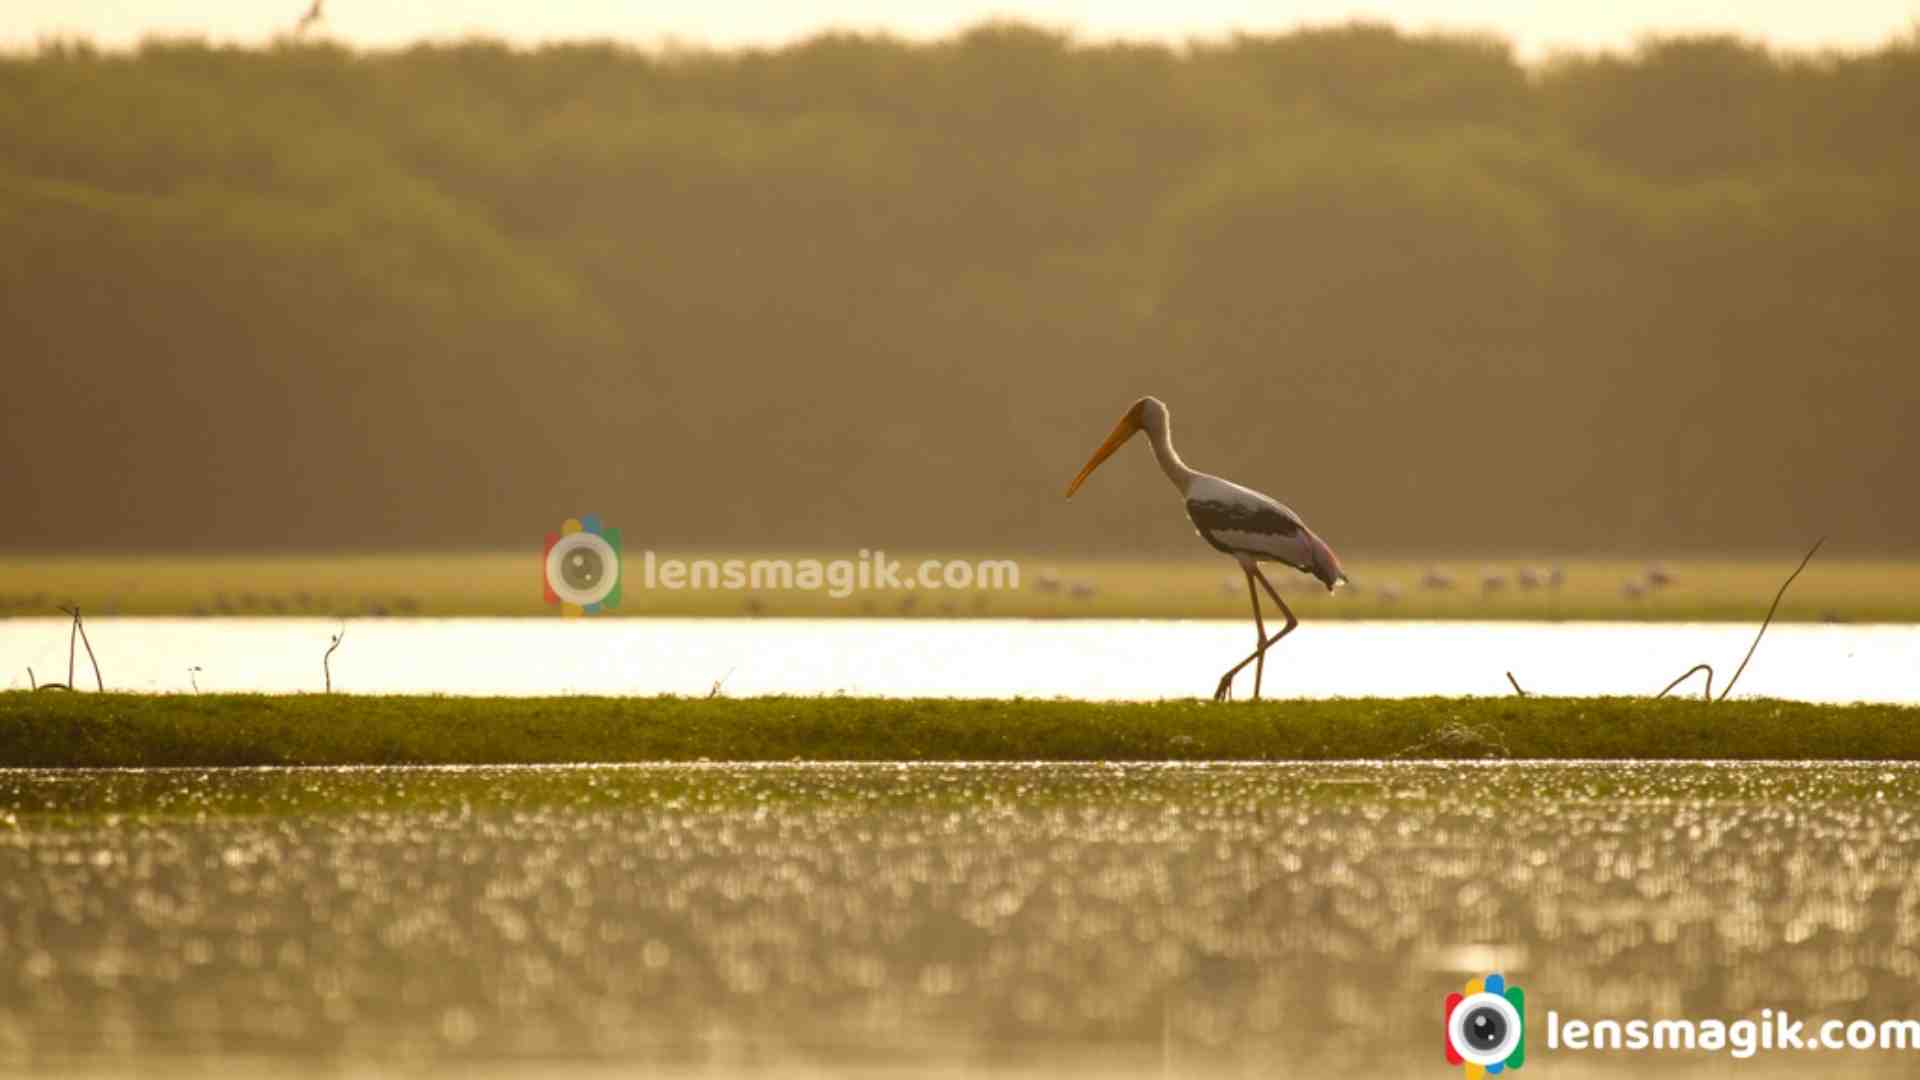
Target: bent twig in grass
99,682
81,629
1728,689
1775,607
326,660
1707,695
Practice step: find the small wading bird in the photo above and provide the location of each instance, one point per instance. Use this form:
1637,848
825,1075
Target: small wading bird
1237,521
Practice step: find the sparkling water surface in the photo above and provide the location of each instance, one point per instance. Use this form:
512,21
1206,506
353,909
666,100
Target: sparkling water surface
993,920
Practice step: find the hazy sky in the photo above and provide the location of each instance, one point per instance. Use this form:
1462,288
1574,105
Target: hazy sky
1536,26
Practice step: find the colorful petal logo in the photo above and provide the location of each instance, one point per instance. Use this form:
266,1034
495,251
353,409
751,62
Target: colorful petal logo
583,566
1486,1027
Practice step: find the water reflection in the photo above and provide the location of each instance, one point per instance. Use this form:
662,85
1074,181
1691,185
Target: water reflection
1093,659
1211,920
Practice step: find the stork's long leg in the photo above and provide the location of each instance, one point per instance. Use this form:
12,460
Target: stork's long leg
1224,690
1291,621
1259,655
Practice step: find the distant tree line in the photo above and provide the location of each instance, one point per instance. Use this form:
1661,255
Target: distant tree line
866,292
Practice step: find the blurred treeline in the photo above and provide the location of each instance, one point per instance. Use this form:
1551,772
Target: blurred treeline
866,292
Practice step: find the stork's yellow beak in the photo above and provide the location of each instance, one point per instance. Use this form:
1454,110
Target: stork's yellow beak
1122,431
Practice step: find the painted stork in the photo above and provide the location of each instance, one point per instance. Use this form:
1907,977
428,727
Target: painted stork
1237,521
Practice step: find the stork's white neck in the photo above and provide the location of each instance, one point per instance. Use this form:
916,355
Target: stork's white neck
1169,459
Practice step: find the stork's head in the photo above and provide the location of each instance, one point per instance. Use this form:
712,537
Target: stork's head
1148,414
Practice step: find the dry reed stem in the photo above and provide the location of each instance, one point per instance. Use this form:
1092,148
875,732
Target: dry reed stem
326,660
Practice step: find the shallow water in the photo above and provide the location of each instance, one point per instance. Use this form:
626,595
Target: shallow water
962,658
1000,920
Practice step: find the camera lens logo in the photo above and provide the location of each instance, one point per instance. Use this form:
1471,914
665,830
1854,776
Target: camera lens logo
1486,1027
583,566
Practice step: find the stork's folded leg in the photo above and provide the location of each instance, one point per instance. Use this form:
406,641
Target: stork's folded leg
1259,641
1224,691
1259,654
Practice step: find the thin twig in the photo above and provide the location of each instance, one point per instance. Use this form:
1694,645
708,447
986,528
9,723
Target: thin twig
1707,696
71,635
1763,625
1516,684
314,14
32,683
193,676
98,682
326,661
718,685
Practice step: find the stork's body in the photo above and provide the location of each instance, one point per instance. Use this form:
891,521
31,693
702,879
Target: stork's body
1236,521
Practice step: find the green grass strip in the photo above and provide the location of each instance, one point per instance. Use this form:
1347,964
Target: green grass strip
102,730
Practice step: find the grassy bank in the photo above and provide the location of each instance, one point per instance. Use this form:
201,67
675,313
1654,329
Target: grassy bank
495,583
92,730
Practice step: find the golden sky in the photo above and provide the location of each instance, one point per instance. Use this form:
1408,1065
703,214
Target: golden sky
1537,26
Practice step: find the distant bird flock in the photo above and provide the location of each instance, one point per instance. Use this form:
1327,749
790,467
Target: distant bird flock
1491,582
